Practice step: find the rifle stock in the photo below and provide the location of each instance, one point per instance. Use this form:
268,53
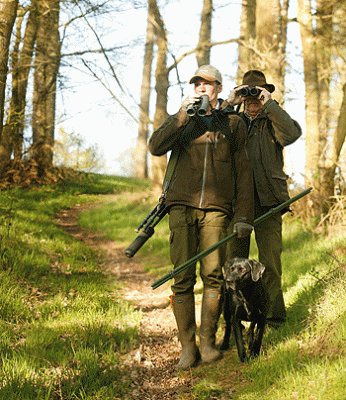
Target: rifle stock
193,260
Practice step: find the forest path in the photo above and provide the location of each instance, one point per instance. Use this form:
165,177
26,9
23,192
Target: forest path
150,366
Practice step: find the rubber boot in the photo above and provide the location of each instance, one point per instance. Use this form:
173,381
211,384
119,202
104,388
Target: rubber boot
211,309
184,312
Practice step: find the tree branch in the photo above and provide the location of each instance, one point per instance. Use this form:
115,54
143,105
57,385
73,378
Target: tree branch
113,95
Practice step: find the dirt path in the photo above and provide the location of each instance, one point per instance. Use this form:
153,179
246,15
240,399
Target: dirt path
151,364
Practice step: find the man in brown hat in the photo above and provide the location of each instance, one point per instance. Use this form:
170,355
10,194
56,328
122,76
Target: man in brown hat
211,184
269,130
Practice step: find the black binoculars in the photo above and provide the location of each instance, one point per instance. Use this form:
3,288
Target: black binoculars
200,108
249,91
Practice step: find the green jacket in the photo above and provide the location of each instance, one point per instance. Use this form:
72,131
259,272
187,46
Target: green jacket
268,134
213,172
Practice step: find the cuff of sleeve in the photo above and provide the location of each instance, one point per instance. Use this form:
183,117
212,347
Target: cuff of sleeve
243,219
269,104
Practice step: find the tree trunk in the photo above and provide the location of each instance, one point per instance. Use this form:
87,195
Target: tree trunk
159,164
263,34
8,12
142,150
271,37
203,47
47,60
312,94
322,149
247,37
21,64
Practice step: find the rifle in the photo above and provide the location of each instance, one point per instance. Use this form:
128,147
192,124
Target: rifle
159,211
148,225
204,253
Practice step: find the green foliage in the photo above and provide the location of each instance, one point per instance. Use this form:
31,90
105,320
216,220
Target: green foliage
72,151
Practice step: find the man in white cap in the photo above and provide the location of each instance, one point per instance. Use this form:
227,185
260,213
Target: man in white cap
211,184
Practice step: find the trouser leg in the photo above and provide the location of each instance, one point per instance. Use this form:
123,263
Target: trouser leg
193,231
269,242
184,243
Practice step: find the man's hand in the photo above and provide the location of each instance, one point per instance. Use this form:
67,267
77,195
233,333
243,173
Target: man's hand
242,229
234,97
189,100
264,96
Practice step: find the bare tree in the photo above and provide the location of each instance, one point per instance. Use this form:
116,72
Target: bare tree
159,164
323,144
141,150
247,37
8,12
47,61
12,139
204,42
263,40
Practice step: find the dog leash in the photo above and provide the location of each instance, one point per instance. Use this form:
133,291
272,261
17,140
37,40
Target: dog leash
242,298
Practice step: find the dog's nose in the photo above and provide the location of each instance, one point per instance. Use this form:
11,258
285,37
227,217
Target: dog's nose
230,284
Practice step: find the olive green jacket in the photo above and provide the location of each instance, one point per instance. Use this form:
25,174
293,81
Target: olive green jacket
268,134
213,171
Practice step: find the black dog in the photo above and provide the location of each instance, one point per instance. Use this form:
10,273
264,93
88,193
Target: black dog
246,299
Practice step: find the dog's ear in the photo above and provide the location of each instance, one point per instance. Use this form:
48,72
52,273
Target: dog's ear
257,269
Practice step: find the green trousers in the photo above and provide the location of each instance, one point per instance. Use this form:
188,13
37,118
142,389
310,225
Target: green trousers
193,231
268,236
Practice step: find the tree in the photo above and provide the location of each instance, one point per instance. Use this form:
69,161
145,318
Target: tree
263,41
141,150
8,12
204,42
72,151
321,42
12,139
47,62
159,164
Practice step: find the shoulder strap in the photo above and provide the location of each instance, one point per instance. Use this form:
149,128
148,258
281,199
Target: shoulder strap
173,159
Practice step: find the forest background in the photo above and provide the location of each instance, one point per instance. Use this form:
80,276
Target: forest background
141,55
67,329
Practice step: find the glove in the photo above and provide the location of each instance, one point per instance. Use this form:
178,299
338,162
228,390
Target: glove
242,229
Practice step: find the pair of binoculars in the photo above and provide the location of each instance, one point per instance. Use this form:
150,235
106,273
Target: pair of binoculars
200,108
249,91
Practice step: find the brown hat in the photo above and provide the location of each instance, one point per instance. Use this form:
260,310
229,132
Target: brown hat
257,78
207,72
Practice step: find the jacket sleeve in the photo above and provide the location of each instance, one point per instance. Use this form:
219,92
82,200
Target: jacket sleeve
286,129
244,204
164,138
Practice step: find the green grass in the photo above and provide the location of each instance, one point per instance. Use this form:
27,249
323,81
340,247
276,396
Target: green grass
63,325
303,355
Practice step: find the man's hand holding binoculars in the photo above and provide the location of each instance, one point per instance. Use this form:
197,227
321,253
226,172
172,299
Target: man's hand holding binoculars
240,93
196,105
192,99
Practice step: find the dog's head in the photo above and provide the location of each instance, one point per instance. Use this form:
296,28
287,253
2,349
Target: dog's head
239,272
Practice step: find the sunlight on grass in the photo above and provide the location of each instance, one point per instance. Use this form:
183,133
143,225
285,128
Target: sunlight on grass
62,323
118,220
63,326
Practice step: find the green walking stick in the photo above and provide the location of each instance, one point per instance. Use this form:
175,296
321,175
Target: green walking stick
193,260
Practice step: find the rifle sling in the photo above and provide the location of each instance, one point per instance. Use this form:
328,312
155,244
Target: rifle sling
173,159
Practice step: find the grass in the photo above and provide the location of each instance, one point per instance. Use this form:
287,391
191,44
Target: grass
63,325
303,355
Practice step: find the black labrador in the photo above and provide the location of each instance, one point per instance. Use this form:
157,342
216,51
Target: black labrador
246,299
